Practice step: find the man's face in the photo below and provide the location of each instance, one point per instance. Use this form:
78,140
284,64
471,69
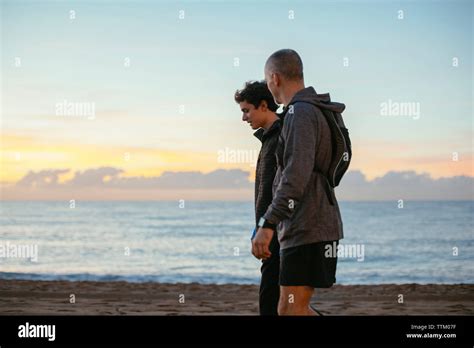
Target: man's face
252,115
272,84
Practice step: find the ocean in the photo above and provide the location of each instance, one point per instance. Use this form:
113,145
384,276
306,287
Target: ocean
209,242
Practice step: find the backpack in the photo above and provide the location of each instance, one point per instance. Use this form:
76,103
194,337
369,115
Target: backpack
341,148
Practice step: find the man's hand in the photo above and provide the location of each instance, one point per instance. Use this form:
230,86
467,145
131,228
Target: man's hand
261,243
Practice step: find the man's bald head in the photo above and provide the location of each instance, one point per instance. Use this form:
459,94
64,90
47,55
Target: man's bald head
287,63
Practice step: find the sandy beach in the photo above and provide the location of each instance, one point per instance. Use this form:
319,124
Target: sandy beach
25,297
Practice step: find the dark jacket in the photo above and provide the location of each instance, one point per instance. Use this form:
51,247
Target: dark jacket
300,205
266,168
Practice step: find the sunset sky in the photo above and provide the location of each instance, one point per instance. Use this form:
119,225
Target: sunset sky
162,86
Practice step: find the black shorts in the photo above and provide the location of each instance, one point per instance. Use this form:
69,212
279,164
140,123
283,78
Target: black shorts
308,265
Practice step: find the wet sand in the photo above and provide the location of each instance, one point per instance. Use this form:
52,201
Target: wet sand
25,297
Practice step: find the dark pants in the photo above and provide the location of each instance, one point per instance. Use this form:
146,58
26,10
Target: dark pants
269,284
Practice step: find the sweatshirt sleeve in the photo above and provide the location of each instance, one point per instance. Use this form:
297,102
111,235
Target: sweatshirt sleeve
300,138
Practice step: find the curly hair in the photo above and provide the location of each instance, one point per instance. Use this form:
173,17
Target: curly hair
254,92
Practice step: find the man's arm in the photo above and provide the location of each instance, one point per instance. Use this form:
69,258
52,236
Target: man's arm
298,160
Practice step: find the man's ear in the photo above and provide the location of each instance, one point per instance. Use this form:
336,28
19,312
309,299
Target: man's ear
277,79
263,105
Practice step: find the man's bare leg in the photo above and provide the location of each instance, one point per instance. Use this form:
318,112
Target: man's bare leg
295,300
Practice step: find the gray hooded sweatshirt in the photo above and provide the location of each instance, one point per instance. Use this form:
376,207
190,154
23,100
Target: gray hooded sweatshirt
300,207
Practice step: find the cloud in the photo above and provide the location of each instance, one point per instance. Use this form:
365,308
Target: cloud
43,178
94,177
405,185
217,179
109,177
109,183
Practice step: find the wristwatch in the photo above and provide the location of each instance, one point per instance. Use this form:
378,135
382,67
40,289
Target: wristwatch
263,223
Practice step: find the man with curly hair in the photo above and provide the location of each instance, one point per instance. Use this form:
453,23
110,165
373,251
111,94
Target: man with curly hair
258,110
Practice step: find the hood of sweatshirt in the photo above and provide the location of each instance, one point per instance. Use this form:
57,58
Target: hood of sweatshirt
323,101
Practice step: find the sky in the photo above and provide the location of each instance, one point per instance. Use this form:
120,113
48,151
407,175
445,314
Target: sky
158,79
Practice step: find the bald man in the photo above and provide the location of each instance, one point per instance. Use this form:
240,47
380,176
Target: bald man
305,216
